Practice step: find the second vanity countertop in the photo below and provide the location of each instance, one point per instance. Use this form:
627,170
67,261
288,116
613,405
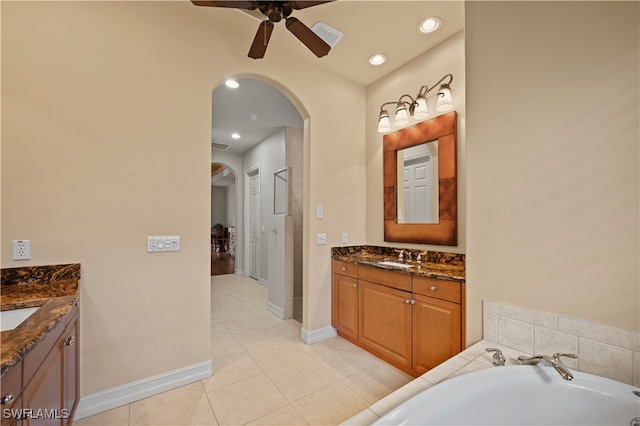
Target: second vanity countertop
54,289
441,265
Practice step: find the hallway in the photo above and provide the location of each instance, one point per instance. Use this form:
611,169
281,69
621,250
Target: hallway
263,373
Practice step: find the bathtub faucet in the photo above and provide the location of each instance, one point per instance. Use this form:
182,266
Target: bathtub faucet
553,361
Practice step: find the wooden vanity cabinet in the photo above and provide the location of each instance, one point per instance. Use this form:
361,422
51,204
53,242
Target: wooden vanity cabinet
413,322
344,299
50,377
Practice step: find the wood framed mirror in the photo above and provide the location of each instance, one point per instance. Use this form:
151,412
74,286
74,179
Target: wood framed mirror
441,227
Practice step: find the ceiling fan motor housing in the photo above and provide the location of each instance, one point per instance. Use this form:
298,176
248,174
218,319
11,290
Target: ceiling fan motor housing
275,11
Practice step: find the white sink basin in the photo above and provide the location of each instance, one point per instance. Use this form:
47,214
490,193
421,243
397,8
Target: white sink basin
396,264
11,319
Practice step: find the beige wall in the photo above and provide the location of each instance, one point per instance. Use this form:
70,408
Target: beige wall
553,159
427,69
106,115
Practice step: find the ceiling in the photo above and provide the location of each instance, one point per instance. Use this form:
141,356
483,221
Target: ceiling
389,27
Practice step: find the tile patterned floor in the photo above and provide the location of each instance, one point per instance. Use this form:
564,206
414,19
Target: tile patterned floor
263,373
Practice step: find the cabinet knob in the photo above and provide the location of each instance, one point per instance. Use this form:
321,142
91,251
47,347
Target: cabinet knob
407,301
344,269
355,285
433,288
70,340
413,302
7,399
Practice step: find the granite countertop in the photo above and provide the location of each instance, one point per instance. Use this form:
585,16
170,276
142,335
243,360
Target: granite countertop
441,265
54,289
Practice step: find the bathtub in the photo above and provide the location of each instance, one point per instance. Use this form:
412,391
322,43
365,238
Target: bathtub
520,395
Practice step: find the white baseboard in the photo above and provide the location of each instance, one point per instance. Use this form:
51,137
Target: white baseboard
314,336
131,392
263,282
275,310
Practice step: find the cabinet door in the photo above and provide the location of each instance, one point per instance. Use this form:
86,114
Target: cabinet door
44,392
344,313
385,323
71,368
436,332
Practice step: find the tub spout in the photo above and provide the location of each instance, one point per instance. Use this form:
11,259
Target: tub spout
553,361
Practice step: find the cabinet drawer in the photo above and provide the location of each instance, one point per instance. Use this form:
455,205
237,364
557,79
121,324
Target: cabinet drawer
440,289
392,279
344,268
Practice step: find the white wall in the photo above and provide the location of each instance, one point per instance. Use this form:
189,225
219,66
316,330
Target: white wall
106,111
269,155
553,159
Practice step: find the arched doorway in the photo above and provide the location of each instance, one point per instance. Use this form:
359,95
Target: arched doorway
256,126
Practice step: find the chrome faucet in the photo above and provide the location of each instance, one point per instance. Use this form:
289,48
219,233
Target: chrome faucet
400,255
419,257
498,359
553,361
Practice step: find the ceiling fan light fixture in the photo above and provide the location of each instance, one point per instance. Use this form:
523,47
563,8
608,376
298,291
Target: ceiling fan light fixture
429,25
377,59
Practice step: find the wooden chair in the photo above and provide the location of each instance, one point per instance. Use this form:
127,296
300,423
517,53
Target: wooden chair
219,240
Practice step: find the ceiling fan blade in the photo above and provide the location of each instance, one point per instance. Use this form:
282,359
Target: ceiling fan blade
310,39
297,5
234,4
261,40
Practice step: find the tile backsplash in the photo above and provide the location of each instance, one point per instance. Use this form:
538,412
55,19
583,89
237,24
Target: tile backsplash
602,350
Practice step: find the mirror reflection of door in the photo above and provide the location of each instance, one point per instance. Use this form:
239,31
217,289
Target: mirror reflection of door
417,189
418,176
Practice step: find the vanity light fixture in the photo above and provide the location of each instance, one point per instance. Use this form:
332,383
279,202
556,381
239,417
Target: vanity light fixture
416,108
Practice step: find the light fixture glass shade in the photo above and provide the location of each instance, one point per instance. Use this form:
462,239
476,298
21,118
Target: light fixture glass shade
402,118
384,124
420,111
445,100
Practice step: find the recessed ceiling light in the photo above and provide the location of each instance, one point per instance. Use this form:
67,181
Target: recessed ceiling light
235,135
429,25
231,83
377,59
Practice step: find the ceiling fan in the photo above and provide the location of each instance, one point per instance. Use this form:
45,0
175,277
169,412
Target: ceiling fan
275,11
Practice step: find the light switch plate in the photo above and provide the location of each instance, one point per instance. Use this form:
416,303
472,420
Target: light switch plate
345,237
163,243
319,211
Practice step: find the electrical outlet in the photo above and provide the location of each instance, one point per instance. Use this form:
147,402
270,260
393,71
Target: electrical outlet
322,239
21,249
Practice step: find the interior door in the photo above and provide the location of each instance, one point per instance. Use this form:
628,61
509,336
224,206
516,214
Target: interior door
417,190
254,225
